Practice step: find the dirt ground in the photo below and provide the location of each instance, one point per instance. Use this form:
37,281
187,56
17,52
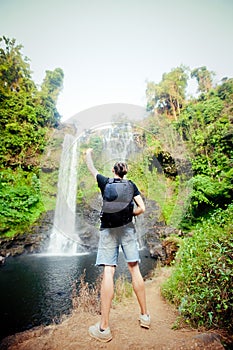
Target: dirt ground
72,333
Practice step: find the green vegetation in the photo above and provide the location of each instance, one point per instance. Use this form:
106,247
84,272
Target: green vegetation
201,281
20,202
206,127
201,285
27,114
48,184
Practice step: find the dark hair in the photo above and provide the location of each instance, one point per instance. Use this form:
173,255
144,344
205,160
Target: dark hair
120,169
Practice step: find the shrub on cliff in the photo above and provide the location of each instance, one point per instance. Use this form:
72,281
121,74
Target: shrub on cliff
201,285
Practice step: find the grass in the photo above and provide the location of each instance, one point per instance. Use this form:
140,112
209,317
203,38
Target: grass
86,298
123,290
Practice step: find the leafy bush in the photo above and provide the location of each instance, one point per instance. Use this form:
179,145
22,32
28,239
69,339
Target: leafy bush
210,191
206,126
201,285
20,201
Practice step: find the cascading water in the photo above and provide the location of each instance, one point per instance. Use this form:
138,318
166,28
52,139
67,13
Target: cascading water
64,239
118,141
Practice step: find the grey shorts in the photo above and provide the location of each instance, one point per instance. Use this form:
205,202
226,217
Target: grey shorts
111,239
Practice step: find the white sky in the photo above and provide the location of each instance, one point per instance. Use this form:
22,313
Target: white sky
109,48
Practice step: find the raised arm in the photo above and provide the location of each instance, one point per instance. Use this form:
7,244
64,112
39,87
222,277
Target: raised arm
89,162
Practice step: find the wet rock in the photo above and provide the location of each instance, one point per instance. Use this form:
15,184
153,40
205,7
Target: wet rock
156,250
20,244
32,241
2,260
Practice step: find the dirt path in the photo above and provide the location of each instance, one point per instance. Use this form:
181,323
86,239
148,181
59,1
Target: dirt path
72,333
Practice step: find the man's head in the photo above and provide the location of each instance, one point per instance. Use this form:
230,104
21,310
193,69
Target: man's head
120,169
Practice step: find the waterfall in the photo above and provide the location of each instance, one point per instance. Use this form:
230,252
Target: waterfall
118,142
118,145
63,238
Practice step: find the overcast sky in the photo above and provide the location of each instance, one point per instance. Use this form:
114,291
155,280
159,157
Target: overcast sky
109,48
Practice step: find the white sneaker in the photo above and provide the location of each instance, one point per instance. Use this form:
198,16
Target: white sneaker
104,336
144,321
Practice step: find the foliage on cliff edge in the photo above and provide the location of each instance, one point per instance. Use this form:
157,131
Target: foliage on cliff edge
201,285
27,113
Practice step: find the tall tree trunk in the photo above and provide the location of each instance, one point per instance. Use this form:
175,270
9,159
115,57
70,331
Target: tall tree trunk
178,106
173,108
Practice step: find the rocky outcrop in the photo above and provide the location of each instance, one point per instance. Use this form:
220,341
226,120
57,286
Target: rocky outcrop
160,243
32,241
157,234
21,244
35,240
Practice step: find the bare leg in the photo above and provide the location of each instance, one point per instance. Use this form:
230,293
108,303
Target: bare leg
138,285
107,293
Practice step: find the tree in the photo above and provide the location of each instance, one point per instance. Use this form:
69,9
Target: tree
168,96
50,89
206,127
204,78
52,83
15,71
26,113
225,90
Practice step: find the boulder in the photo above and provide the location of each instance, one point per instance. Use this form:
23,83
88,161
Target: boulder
2,260
156,250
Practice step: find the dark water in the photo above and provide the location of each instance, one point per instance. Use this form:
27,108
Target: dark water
36,289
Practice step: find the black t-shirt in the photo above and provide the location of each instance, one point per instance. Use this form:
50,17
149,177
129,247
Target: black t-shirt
120,218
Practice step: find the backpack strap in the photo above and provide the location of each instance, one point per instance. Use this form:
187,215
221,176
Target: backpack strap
110,181
116,180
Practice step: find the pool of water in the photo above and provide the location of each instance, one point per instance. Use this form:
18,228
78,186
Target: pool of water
36,289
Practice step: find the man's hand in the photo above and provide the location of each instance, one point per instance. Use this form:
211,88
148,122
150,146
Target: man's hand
89,150
140,205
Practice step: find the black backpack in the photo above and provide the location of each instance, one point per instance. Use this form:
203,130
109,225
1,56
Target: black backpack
117,209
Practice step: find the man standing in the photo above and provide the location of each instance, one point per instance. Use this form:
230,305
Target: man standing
117,230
